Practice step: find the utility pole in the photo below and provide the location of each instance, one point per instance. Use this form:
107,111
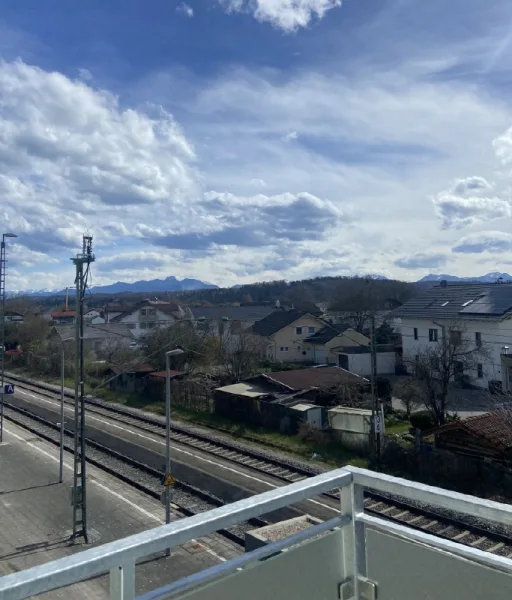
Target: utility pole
79,482
377,416
3,269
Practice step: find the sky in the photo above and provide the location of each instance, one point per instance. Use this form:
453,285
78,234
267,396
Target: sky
236,141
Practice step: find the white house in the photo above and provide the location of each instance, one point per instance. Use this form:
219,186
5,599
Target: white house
483,314
149,315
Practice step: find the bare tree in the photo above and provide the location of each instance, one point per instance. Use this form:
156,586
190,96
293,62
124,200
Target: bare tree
238,354
116,352
436,367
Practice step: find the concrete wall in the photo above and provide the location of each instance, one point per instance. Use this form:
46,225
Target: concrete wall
494,336
360,364
140,325
351,426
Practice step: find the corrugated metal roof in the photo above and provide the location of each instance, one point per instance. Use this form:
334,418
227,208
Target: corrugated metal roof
250,390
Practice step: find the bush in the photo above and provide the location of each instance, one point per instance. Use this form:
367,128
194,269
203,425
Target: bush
423,420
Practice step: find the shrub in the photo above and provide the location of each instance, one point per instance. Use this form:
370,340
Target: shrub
423,420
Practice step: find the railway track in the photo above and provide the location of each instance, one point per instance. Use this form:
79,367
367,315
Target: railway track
187,500
425,519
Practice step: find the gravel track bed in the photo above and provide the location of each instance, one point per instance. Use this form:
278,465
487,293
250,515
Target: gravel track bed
180,426
490,526
145,481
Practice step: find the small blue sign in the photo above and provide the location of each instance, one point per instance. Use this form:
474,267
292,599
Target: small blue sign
9,389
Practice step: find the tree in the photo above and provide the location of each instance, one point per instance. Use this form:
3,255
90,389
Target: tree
116,353
437,367
237,354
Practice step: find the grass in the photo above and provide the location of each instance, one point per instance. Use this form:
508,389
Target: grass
398,428
331,453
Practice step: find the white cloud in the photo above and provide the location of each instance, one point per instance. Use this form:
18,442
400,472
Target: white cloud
469,201
185,9
288,15
71,158
258,183
485,241
289,137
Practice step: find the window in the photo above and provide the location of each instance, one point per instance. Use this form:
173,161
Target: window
455,338
478,339
480,370
311,330
432,335
143,312
284,348
298,330
143,325
415,333
131,325
151,324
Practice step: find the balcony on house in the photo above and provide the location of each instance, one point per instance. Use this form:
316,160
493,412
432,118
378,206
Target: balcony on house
353,555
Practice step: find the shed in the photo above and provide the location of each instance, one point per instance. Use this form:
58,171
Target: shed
352,426
310,414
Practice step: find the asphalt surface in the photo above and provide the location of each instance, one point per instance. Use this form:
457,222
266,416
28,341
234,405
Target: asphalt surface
225,479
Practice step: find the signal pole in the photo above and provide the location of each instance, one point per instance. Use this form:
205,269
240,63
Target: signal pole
79,481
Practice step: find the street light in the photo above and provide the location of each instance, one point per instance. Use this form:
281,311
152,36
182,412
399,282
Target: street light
168,354
2,330
61,452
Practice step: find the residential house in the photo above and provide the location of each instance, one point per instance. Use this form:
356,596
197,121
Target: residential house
97,338
62,316
148,315
285,333
11,316
320,346
482,312
227,322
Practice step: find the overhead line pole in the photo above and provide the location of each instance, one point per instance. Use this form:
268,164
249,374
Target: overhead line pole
79,495
377,416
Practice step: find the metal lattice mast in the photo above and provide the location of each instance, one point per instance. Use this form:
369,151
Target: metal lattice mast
2,334
79,480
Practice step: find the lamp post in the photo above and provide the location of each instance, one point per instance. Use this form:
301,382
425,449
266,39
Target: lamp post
168,355
61,450
3,263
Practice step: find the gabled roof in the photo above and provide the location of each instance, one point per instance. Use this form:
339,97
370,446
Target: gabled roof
459,301
326,334
277,320
96,332
314,377
232,313
63,314
494,427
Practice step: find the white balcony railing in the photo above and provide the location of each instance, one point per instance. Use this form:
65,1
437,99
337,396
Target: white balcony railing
353,555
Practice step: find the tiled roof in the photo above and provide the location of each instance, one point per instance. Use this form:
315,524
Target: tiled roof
459,301
494,427
326,334
232,313
276,321
61,314
163,374
314,377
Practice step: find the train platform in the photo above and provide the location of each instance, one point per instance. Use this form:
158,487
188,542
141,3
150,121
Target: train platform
36,518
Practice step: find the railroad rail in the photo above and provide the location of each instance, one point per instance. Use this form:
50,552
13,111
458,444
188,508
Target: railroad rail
187,500
449,527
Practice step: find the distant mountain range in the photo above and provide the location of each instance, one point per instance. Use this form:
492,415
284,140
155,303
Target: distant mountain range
169,284
489,278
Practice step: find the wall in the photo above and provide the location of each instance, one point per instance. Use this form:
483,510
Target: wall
494,334
352,428
288,337
134,321
361,364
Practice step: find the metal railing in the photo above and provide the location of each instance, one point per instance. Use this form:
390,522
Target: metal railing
119,558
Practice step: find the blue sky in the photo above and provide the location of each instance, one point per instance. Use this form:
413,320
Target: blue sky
244,140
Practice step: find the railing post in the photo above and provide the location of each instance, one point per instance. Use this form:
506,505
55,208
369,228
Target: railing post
353,541
122,582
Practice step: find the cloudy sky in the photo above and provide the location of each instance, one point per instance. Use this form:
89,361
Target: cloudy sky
244,140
